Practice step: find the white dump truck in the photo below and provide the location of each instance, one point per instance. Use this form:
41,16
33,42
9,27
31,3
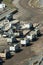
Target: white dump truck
15,47
31,36
16,34
27,26
37,31
25,42
5,55
2,6
11,40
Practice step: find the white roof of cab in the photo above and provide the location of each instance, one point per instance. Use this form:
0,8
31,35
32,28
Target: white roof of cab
2,5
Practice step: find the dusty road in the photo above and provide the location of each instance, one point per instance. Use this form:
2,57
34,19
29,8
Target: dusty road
22,14
25,12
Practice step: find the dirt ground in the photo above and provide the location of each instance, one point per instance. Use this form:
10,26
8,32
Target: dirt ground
27,52
35,47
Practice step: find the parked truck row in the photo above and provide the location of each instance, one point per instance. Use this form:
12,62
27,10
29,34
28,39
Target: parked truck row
11,29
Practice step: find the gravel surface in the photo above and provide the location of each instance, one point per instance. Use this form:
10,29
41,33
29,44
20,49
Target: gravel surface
22,14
